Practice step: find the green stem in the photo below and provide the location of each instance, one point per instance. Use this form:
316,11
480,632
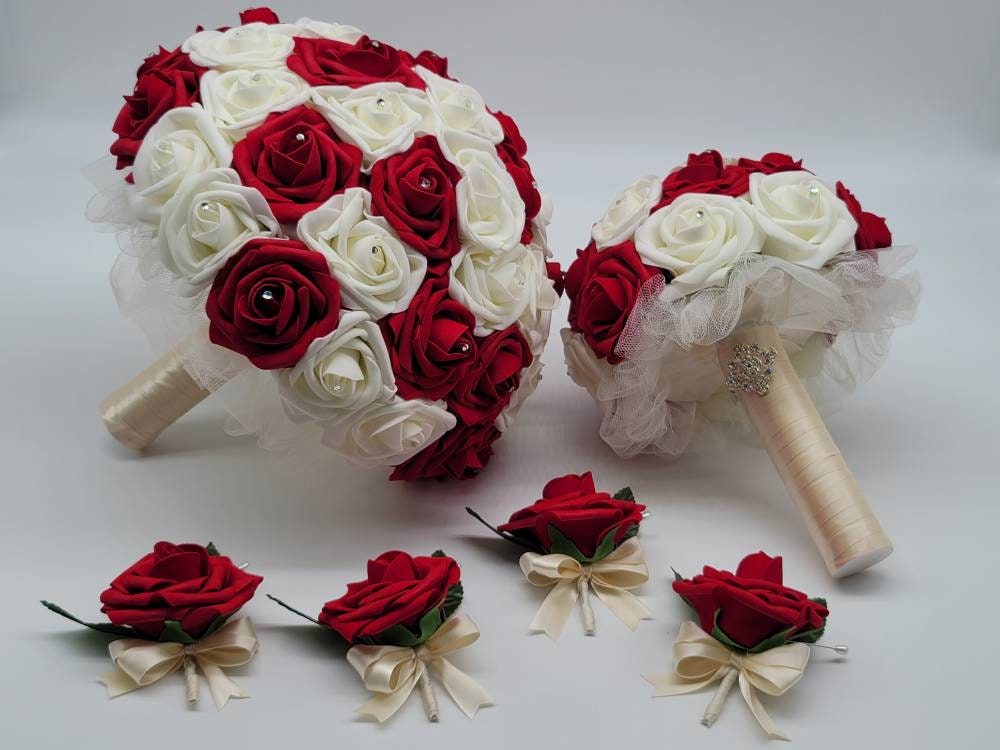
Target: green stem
292,609
502,535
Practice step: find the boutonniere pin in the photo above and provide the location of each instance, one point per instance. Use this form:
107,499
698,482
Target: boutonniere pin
401,624
578,540
172,608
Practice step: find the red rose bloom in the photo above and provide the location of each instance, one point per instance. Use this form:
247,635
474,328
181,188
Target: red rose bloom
271,300
705,173
873,233
555,273
496,373
297,162
576,510
415,192
258,15
325,62
751,606
430,60
602,288
164,81
181,582
770,163
511,152
431,344
461,453
398,591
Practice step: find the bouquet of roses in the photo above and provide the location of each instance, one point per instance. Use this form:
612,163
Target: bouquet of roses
746,276
173,608
340,232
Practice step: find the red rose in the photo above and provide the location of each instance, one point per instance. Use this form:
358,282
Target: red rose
415,192
752,606
258,15
180,582
770,163
164,81
496,373
555,273
431,344
325,62
873,233
579,513
430,60
602,288
271,300
461,453
705,173
297,162
511,152
398,591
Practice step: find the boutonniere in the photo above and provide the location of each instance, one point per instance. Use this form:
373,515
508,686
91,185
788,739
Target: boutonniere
752,629
578,540
401,624
172,608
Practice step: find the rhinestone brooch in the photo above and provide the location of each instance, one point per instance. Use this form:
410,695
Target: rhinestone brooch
750,369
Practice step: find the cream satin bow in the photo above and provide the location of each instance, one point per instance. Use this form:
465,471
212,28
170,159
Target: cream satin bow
140,663
394,671
610,578
700,660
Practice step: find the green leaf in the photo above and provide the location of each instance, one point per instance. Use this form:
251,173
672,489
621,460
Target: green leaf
809,636
212,550
774,641
173,632
101,627
531,545
818,600
452,600
561,545
217,623
438,553
677,576
625,493
724,639
292,609
400,635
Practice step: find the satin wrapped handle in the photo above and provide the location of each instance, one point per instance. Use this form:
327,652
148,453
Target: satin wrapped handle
815,474
140,410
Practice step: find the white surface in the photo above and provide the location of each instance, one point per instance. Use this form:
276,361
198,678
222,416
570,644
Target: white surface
900,103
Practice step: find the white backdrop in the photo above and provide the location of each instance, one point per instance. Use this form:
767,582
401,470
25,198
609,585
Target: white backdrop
899,101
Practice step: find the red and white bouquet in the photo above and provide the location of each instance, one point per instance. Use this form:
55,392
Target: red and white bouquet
339,232
720,278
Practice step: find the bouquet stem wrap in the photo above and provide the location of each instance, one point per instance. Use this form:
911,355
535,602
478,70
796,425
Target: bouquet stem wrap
140,410
815,474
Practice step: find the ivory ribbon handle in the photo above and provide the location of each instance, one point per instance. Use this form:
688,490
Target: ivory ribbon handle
815,474
140,410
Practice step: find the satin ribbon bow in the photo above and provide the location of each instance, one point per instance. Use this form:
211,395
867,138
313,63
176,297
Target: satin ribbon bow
610,578
700,660
394,671
140,663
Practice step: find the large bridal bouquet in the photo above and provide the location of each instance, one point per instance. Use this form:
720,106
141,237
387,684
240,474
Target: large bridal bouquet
339,232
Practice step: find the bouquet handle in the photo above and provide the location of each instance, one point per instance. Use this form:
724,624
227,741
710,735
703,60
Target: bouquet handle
140,410
839,519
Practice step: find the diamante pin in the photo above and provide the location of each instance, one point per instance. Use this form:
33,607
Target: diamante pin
463,347
300,137
376,249
425,183
267,295
699,214
813,190
380,103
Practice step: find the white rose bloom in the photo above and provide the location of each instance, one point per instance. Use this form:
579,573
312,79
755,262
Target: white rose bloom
341,373
542,300
376,271
389,434
583,366
242,99
460,107
184,142
698,238
338,32
530,377
381,118
627,211
804,221
540,228
253,46
490,210
208,219
496,287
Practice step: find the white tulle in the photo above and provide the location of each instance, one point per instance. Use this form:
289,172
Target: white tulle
835,323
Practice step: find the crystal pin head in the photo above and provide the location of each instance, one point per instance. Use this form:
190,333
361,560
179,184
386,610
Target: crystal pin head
699,214
267,295
300,137
380,103
813,190
425,183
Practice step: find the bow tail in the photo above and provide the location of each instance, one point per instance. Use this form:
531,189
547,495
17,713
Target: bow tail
552,615
757,709
468,694
626,606
118,682
221,687
671,683
384,705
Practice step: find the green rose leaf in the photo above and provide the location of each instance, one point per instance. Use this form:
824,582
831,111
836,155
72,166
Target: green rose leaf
532,545
625,493
101,627
561,545
452,599
400,635
212,550
779,639
173,632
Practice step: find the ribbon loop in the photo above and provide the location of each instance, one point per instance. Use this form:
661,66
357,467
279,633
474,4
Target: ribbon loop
701,660
610,578
392,672
140,663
